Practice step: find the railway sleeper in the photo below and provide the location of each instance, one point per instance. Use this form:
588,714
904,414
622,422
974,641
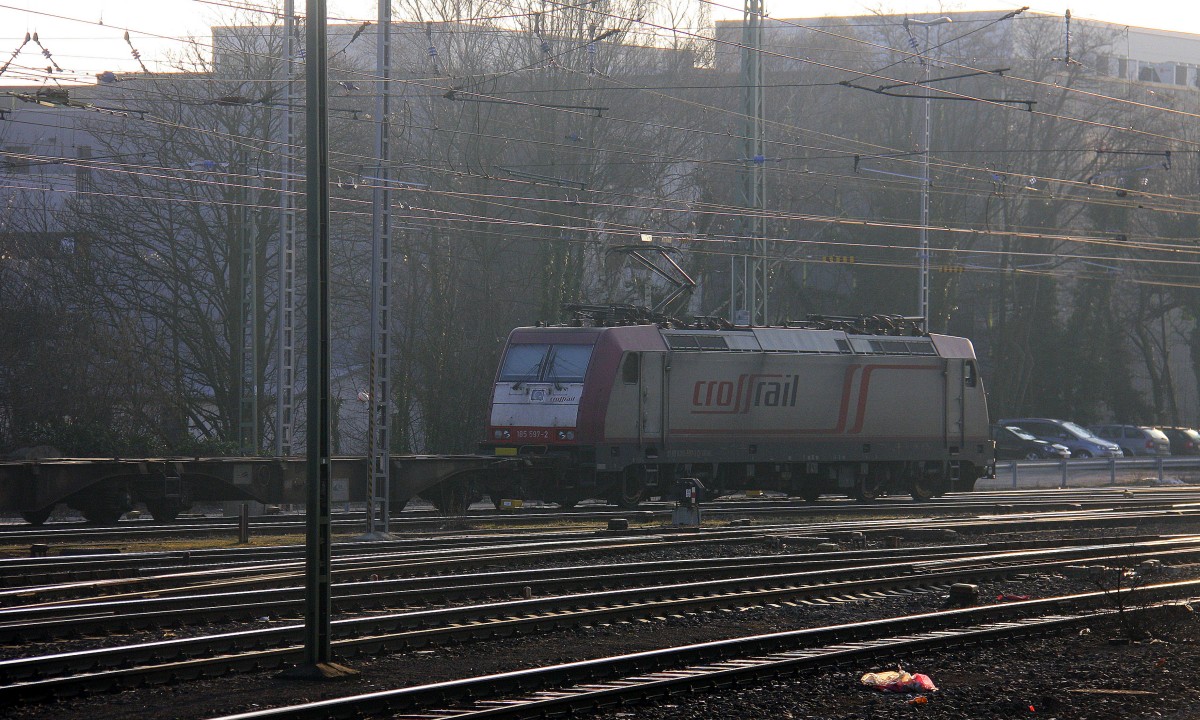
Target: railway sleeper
458,634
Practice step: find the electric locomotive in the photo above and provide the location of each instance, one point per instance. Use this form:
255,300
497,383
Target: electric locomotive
623,410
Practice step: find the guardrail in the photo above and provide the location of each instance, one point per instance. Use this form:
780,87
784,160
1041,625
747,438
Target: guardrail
1091,471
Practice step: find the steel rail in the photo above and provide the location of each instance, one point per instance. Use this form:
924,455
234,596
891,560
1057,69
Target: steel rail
964,502
594,544
47,621
427,520
605,681
377,559
119,565
214,655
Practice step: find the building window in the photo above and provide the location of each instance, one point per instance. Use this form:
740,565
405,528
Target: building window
1181,73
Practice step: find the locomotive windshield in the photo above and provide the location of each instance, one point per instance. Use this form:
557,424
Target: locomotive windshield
537,362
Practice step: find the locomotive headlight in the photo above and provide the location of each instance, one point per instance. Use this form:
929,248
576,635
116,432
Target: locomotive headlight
498,434
570,434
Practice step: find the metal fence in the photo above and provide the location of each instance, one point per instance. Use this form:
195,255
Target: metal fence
1079,472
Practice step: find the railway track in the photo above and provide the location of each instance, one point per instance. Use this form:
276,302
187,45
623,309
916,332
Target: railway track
60,578
175,619
220,601
227,601
83,671
77,533
625,679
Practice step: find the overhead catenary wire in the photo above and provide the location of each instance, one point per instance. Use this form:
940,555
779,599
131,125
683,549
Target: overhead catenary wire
526,198
352,172
730,211
886,264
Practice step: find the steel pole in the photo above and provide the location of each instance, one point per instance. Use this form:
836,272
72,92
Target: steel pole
923,252
923,249
285,364
317,575
379,402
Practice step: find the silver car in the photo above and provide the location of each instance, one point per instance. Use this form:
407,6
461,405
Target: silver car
1135,440
1081,442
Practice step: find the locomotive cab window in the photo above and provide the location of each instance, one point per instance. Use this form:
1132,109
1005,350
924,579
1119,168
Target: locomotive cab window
568,363
631,368
969,377
523,363
539,362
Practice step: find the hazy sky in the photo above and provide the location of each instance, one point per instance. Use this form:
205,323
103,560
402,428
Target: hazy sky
85,37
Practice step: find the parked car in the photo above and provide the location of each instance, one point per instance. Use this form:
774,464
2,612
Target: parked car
1013,443
1184,441
1079,441
1135,440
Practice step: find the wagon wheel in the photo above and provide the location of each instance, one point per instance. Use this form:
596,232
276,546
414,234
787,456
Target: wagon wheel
102,513
37,517
450,498
164,509
499,493
104,504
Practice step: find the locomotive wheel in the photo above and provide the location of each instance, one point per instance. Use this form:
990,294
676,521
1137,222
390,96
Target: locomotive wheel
923,489
628,493
927,481
810,494
864,494
870,488
37,517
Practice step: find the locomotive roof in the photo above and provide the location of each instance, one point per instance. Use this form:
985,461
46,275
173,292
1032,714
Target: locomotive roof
797,340
773,339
